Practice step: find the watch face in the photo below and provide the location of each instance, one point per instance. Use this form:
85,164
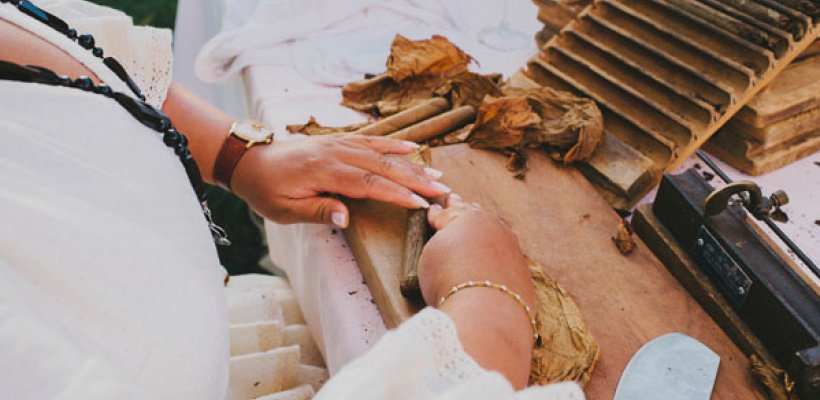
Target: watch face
252,131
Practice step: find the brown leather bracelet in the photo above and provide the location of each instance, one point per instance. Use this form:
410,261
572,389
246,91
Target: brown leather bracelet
233,148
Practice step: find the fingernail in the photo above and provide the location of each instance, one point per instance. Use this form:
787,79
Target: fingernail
433,173
420,201
441,187
436,207
339,219
412,145
455,198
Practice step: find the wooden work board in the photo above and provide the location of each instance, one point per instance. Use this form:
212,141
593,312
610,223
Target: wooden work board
564,224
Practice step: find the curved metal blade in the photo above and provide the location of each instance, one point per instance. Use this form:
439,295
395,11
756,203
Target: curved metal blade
670,367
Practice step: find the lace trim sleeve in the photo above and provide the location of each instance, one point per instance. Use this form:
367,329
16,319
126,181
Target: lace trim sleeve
151,63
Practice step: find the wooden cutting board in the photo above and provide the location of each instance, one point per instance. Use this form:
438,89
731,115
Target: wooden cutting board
566,226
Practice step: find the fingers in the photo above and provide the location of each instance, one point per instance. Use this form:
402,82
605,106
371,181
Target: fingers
384,145
359,183
318,210
439,217
398,170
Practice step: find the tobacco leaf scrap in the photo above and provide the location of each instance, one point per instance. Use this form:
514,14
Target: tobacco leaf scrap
567,350
313,128
569,127
623,238
436,57
469,88
776,381
417,71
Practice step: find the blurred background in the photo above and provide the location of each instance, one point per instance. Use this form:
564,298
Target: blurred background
245,230
160,13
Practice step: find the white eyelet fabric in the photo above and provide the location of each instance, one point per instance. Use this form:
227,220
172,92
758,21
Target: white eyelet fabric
144,52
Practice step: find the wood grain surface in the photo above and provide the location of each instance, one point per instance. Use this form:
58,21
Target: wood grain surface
566,226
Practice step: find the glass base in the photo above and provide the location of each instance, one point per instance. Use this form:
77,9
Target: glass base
503,39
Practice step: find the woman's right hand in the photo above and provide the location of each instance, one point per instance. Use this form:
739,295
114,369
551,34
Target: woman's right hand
471,244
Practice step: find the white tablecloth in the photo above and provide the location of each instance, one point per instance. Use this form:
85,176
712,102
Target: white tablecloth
293,55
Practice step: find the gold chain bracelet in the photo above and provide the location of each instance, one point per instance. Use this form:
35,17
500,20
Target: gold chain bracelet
503,288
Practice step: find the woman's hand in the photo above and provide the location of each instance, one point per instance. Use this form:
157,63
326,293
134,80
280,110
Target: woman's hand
492,326
291,181
470,244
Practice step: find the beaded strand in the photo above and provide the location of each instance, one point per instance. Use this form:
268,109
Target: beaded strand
139,109
85,41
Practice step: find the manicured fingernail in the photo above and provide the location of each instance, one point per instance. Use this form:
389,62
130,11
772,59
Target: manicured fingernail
433,173
420,201
412,145
339,219
441,187
455,198
436,207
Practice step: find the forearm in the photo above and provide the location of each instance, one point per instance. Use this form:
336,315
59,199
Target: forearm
494,330
205,126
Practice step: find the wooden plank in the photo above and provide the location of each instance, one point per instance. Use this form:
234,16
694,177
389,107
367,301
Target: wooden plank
795,90
780,131
755,159
566,226
376,238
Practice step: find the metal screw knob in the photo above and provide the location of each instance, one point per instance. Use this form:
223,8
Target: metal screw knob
779,198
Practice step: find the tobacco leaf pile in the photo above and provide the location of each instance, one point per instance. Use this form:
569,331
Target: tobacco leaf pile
417,71
509,120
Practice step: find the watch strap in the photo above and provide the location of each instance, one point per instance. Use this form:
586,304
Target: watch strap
233,148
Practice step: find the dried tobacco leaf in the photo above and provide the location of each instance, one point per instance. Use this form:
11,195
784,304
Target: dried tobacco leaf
382,96
469,88
313,128
503,122
567,350
571,127
623,238
775,380
436,57
417,71
454,137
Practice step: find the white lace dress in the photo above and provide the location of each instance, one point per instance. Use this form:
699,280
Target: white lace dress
110,286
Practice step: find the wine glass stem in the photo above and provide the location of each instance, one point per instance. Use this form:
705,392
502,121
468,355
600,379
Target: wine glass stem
504,6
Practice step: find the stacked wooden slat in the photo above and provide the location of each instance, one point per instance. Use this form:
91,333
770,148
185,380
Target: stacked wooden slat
666,74
556,14
780,125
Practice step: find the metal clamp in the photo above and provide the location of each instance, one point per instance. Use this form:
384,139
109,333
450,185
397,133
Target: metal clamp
751,195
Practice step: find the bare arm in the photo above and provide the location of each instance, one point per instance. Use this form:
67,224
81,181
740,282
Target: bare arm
473,245
287,182
37,52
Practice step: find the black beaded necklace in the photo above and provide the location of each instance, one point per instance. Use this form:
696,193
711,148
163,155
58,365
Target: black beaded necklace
85,40
139,109
142,111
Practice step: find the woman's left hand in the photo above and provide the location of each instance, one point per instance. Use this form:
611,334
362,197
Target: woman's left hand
291,181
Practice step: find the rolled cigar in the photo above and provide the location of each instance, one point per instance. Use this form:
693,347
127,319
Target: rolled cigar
438,125
415,236
405,118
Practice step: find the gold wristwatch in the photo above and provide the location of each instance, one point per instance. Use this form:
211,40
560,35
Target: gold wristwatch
242,136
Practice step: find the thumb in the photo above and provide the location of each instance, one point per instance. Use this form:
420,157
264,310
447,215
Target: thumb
320,210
